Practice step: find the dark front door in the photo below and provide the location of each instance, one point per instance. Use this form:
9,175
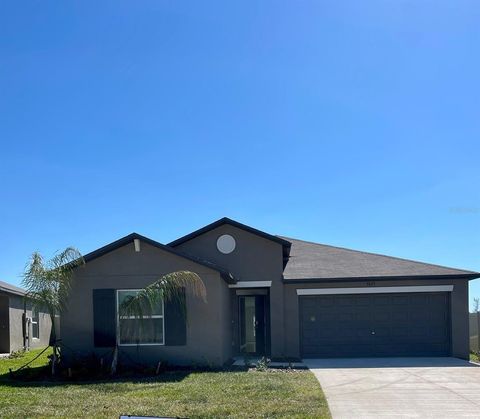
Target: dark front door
403,324
252,324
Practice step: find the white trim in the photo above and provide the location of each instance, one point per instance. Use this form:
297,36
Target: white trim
155,316
375,290
251,284
136,244
32,322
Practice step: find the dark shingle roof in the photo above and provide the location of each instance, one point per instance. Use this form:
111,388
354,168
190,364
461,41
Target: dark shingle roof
318,261
11,289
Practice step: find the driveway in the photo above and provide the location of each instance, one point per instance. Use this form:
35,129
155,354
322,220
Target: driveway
399,387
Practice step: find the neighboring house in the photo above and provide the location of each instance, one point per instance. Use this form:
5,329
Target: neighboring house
267,295
20,326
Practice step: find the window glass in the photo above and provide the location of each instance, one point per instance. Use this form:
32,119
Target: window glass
125,294
136,331
35,324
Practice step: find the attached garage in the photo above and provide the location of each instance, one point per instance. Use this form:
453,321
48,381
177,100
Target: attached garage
374,324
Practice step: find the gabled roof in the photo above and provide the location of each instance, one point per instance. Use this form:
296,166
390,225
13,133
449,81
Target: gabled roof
226,275
11,289
310,261
277,239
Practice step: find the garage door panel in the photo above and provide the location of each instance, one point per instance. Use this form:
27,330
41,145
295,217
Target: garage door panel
362,300
400,299
375,325
380,300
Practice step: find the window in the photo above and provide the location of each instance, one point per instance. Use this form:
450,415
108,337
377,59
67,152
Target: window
148,330
35,324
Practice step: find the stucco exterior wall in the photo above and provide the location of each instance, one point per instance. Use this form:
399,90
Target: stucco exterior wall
207,323
15,313
458,306
254,259
45,325
16,309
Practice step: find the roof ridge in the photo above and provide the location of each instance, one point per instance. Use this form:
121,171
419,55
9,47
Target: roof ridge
237,224
379,254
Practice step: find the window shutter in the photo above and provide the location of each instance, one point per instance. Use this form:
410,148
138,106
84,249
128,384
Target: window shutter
175,322
104,318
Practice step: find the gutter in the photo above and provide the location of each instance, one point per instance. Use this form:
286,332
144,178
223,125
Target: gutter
379,278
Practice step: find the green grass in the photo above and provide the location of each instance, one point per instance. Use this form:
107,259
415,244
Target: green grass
21,358
293,394
474,357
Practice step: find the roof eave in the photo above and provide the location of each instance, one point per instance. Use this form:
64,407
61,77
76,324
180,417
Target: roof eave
226,275
467,276
226,220
14,292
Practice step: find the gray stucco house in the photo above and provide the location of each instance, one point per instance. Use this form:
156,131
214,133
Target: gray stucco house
20,326
268,295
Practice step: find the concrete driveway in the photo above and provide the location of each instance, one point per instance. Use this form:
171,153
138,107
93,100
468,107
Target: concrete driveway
399,387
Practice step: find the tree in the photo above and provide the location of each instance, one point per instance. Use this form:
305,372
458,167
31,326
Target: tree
47,285
169,288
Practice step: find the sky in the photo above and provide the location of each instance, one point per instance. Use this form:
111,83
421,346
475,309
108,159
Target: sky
348,123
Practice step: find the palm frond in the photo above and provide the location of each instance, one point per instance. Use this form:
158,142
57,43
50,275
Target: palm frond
167,288
34,277
47,283
60,273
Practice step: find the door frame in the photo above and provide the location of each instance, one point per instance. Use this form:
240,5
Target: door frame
264,295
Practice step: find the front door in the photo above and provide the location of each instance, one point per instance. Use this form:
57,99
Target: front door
252,324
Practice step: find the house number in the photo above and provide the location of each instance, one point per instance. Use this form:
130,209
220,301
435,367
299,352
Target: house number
370,283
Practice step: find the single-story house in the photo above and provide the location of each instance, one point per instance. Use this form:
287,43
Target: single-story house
20,326
268,295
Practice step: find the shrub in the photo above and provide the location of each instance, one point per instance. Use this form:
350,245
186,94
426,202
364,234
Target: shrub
263,364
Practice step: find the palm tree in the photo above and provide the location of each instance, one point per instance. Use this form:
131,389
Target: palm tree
169,288
47,285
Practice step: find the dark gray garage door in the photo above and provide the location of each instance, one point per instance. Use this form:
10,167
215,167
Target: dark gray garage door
360,325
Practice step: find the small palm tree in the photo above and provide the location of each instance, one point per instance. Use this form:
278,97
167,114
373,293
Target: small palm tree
47,285
169,288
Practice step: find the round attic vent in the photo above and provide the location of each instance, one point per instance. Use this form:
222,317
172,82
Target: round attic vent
226,244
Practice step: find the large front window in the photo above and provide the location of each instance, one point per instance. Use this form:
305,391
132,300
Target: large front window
148,330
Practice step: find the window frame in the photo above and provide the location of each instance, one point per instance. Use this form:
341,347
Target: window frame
37,322
155,316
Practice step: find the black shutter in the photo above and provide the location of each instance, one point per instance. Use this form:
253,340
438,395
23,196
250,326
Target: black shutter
104,318
175,321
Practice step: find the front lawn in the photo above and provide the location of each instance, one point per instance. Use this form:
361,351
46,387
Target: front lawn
178,393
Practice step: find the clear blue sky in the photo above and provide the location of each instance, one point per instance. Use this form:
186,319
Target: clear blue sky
343,122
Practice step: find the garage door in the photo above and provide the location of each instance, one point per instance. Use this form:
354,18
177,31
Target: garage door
404,324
